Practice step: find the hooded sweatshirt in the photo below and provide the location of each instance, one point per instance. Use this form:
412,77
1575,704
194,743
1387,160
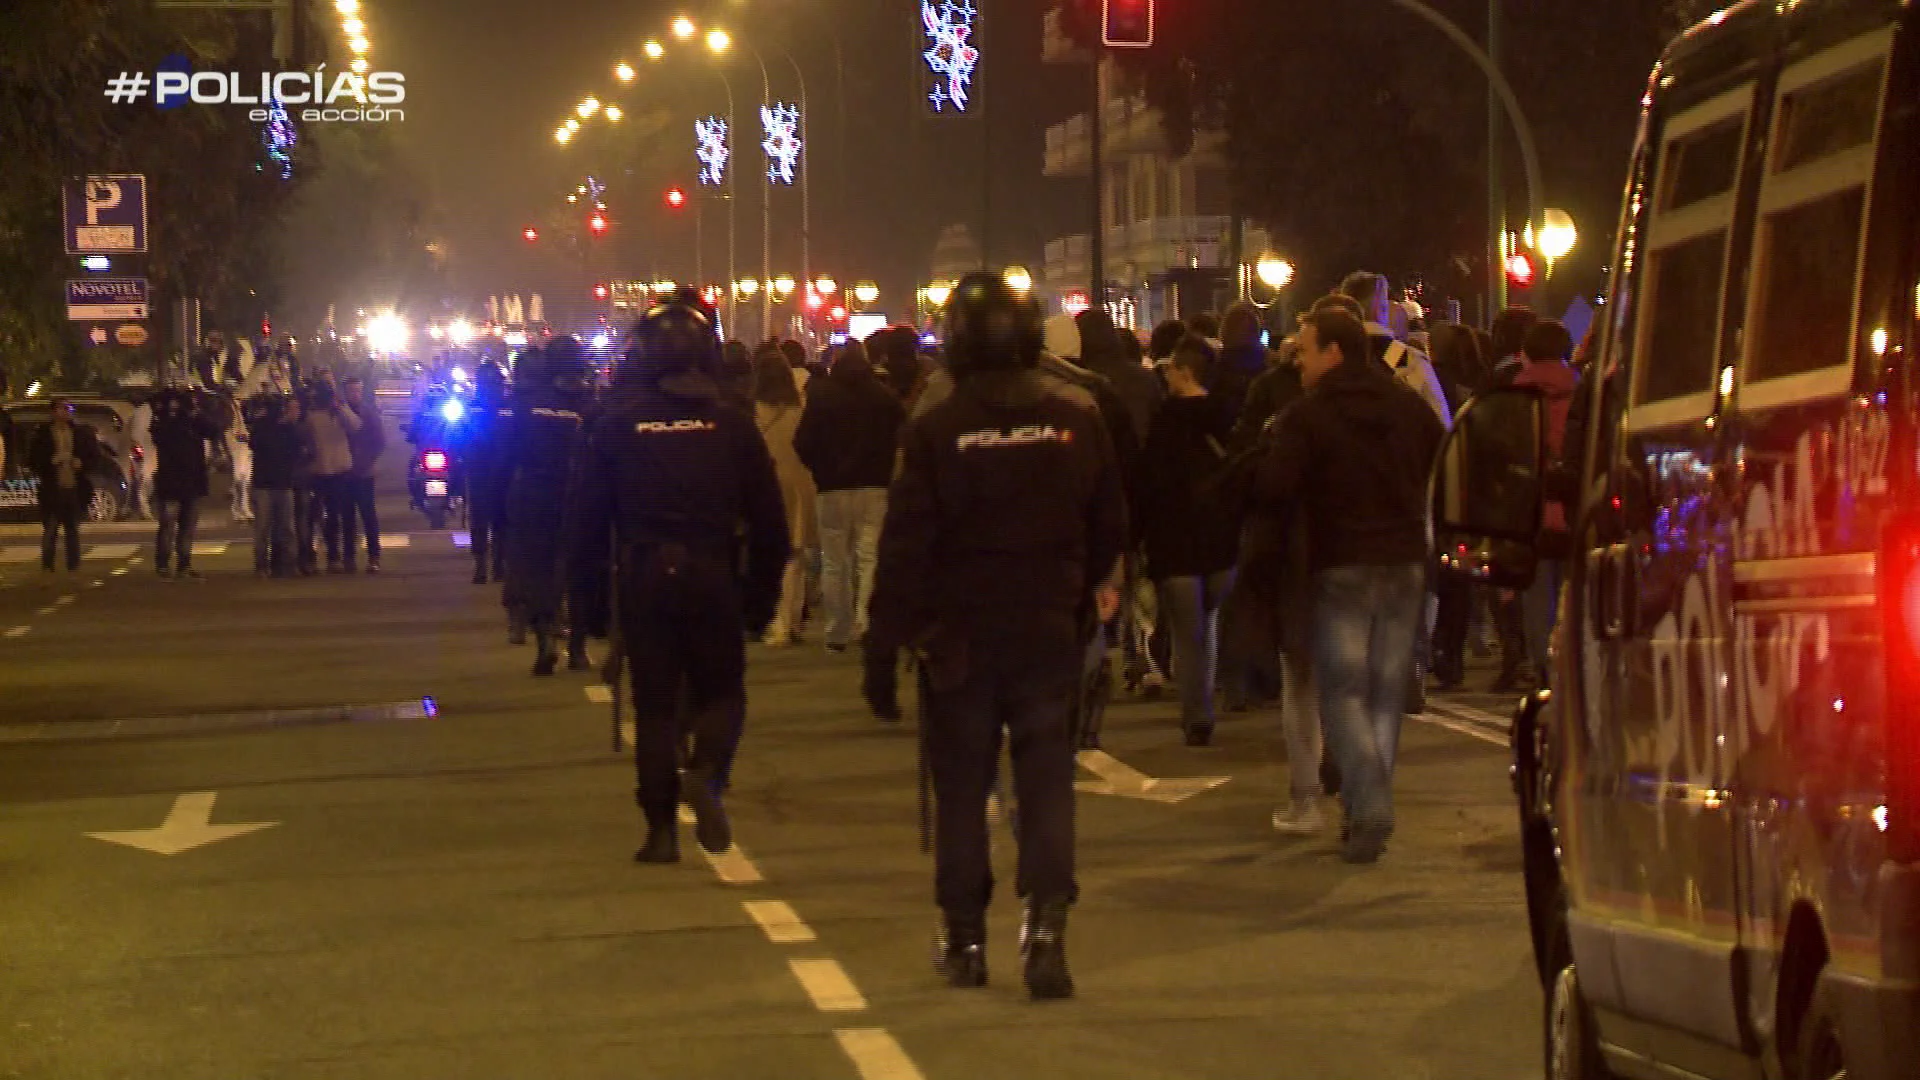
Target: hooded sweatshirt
1353,454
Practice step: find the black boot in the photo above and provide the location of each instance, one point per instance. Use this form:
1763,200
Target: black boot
662,846
710,825
577,655
516,627
1043,940
545,655
960,951
480,575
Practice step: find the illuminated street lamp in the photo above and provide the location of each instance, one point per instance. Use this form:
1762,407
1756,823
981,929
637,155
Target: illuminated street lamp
355,27
938,293
747,286
387,332
866,292
1273,271
359,44
784,285
718,41
571,125
825,285
654,50
359,65
346,7
1556,236
614,114
683,28
460,331
588,107
562,134
1019,279
623,71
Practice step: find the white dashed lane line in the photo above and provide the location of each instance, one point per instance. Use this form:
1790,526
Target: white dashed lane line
17,632
48,610
64,601
826,982
782,924
876,1054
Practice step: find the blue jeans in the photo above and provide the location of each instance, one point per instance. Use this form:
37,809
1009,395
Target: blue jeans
1192,607
849,548
1365,622
273,530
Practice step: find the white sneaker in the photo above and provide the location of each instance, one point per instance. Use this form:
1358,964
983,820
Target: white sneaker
1302,817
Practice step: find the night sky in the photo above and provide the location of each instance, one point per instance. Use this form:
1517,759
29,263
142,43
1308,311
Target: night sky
488,81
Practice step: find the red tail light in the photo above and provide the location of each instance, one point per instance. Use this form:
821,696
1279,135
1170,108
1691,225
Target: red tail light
434,461
1898,578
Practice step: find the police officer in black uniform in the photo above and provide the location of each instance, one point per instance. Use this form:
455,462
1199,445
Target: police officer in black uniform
678,479
543,444
484,461
997,559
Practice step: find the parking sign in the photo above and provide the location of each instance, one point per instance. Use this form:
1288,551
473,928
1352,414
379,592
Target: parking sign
106,214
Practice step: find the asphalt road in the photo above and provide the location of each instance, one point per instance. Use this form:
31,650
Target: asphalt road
451,895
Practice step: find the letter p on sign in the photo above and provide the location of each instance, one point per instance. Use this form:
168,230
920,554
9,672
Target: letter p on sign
101,195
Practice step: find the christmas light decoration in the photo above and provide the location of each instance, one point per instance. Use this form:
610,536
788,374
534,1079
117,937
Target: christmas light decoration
279,138
710,147
782,144
950,54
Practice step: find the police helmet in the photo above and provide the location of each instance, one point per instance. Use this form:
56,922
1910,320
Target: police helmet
991,327
489,382
673,338
566,361
529,367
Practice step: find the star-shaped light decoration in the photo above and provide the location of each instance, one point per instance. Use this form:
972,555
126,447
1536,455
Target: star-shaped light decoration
950,54
710,147
782,144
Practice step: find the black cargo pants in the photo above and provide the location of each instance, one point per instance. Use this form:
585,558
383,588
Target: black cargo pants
1023,679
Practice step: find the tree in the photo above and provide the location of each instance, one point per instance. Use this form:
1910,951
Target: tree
1356,132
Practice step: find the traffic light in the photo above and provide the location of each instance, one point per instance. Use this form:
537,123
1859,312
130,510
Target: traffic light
1127,24
676,198
599,292
598,223
530,234
1520,272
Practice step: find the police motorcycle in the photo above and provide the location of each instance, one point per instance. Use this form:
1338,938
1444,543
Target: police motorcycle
433,477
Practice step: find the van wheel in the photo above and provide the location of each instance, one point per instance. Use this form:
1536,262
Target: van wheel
1820,1055
1572,1044
103,507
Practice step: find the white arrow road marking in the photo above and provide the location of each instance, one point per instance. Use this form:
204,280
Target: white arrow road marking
188,826
1119,778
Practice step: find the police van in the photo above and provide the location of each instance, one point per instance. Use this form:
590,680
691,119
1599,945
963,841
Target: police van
1720,798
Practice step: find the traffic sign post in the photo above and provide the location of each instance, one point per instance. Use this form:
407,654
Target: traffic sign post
105,214
103,299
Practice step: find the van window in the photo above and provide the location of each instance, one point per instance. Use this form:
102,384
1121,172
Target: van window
1810,241
1677,338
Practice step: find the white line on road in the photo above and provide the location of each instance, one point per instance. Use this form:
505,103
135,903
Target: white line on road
600,695
462,539
48,610
18,631
876,1054
119,571
732,865
96,583
1461,727
782,924
396,540
210,547
111,551
18,555
64,601
826,982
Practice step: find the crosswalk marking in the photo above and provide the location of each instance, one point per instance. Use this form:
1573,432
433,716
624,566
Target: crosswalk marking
396,540
19,554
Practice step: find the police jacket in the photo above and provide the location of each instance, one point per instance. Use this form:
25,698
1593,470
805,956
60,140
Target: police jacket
544,436
669,463
483,438
1008,504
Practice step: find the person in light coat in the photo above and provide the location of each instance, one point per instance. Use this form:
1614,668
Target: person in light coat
777,411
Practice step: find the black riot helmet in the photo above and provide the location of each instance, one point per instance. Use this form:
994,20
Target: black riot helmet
990,327
673,338
489,382
566,361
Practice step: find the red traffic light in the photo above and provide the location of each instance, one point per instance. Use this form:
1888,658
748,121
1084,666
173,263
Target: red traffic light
599,292
676,198
598,223
530,233
1520,270
1127,24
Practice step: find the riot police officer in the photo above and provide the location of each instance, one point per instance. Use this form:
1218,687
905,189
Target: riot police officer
996,562
676,479
484,460
543,442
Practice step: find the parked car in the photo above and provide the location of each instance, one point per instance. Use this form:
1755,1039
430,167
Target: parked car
112,422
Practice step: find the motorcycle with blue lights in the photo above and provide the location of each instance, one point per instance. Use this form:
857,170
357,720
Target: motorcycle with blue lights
436,432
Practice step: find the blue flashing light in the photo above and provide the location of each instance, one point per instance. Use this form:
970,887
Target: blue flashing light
429,706
98,264
452,411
